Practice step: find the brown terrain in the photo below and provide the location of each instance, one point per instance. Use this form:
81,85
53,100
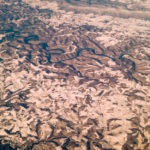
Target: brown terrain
74,75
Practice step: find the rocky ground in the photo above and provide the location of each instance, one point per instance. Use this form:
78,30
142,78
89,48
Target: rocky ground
74,76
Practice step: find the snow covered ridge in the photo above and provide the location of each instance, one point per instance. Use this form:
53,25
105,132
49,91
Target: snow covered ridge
72,81
122,9
124,4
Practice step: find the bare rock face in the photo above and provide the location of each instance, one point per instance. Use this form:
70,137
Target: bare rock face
71,80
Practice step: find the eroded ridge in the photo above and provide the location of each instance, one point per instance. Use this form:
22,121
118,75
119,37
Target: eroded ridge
73,85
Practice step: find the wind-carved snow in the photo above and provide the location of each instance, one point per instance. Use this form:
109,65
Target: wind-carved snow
72,81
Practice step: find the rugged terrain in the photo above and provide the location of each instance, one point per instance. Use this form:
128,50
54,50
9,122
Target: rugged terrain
74,75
